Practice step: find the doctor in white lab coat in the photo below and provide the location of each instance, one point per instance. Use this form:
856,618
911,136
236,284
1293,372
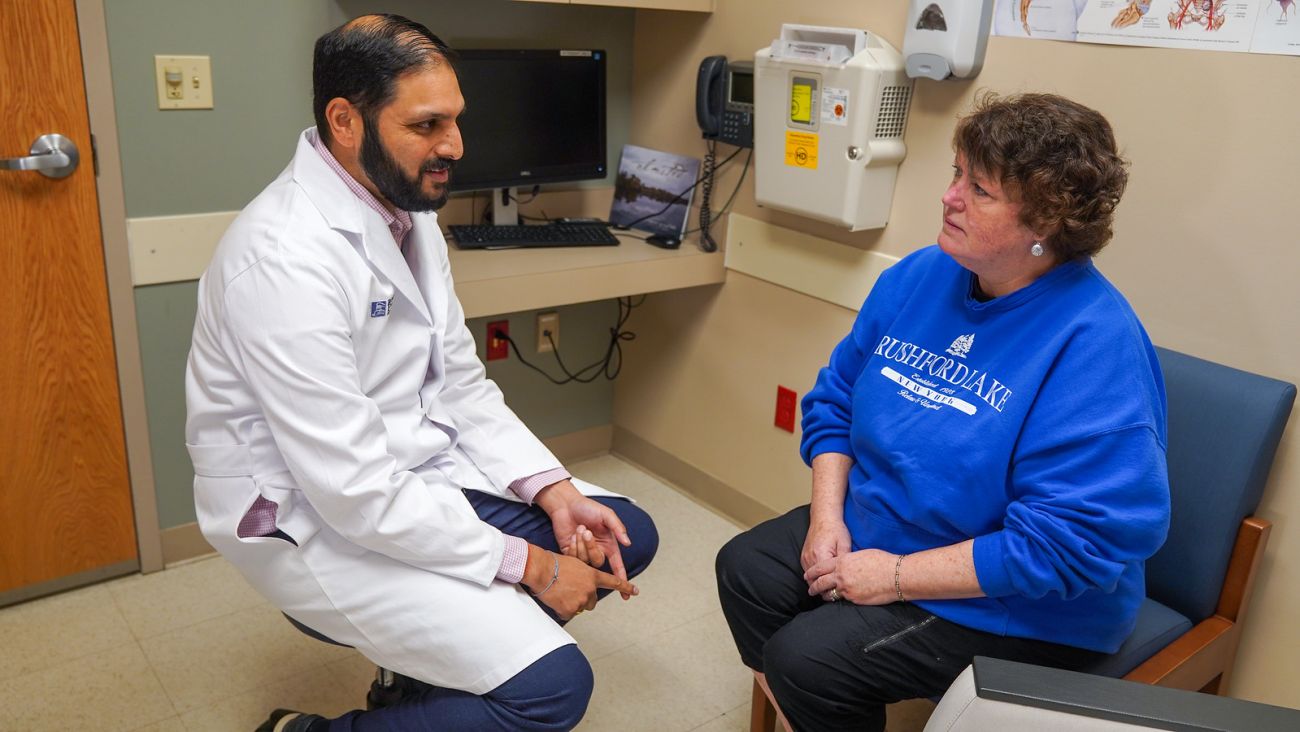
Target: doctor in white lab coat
343,434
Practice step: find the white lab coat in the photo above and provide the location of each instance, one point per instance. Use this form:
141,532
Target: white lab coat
335,380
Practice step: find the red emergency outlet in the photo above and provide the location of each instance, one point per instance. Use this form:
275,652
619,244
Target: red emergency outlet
786,405
497,346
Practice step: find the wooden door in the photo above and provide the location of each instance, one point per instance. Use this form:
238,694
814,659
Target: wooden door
65,497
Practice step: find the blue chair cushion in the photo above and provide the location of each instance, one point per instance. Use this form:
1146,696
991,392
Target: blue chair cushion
1157,627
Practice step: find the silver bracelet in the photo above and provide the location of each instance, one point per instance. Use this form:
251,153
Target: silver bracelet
898,588
555,574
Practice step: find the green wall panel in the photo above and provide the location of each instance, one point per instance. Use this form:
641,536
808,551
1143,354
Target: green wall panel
192,161
166,317
196,161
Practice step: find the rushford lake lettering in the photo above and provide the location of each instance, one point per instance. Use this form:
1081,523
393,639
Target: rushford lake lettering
990,390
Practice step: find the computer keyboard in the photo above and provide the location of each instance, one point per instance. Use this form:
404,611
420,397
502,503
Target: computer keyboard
557,234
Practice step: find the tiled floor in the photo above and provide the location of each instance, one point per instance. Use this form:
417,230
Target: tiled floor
194,648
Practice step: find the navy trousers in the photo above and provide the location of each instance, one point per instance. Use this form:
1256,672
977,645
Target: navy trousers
553,692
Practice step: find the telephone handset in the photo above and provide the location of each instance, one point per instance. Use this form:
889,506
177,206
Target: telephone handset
709,95
724,101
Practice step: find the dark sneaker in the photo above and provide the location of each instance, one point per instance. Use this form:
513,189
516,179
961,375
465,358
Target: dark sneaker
287,720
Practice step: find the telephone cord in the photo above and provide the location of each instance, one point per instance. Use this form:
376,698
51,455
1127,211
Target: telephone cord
707,242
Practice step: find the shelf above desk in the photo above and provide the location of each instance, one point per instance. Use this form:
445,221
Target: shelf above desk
513,280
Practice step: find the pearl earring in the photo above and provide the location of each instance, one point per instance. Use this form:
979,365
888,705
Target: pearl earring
1036,249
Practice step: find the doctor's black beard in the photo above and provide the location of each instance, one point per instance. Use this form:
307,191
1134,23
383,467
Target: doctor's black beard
382,169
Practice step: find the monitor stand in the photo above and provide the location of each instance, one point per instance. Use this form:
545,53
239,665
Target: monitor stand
505,206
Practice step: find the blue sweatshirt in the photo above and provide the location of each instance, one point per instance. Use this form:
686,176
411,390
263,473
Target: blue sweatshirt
1033,423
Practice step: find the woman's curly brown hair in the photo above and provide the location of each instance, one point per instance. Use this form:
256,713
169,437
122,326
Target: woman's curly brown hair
1058,155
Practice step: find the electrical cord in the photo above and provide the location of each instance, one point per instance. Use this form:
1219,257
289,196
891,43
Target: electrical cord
537,188
608,366
678,197
618,229
730,199
711,167
487,210
749,158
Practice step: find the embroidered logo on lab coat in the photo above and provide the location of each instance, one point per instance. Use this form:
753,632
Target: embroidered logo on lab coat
380,308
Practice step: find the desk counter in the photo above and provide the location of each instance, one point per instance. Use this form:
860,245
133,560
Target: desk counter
514,280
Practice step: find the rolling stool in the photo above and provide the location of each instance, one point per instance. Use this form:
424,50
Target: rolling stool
387,689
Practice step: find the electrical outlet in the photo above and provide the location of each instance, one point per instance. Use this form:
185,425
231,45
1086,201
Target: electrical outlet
786,405
548,323
497,347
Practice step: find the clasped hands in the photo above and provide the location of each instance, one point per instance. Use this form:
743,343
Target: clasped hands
864,577
589,534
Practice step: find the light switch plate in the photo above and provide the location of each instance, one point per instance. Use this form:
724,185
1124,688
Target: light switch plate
196,81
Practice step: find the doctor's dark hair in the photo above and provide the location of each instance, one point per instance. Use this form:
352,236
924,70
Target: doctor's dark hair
1059,156
362,59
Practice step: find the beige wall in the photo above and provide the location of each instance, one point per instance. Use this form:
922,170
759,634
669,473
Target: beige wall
1205,251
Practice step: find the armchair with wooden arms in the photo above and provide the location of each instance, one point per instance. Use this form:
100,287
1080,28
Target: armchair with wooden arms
1224,429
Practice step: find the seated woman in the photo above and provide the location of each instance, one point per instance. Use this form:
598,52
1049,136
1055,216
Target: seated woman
987,446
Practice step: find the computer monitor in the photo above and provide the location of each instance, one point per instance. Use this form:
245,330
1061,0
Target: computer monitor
531,117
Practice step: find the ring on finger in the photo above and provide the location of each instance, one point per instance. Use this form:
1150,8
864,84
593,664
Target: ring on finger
834,594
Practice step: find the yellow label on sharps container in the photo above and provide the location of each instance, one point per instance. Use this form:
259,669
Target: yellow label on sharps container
801,102
801,149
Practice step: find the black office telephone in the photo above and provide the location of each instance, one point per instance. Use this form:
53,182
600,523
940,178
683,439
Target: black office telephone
724,101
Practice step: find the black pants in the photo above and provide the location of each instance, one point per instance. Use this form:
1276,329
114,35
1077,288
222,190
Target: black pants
835,665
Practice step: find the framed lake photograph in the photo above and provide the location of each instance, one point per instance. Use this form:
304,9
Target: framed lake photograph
653,190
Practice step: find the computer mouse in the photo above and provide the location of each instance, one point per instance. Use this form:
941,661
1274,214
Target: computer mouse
664,241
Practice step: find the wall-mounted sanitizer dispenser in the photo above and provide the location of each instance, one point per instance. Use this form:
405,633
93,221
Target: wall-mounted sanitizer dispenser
830,107
946,39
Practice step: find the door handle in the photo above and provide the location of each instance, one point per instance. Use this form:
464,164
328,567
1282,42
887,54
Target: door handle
53,156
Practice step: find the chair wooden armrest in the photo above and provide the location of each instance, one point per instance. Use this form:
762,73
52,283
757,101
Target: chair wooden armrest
1201,659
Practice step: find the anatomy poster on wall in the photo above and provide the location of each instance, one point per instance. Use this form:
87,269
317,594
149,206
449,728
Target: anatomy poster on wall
1277,29
1258,26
